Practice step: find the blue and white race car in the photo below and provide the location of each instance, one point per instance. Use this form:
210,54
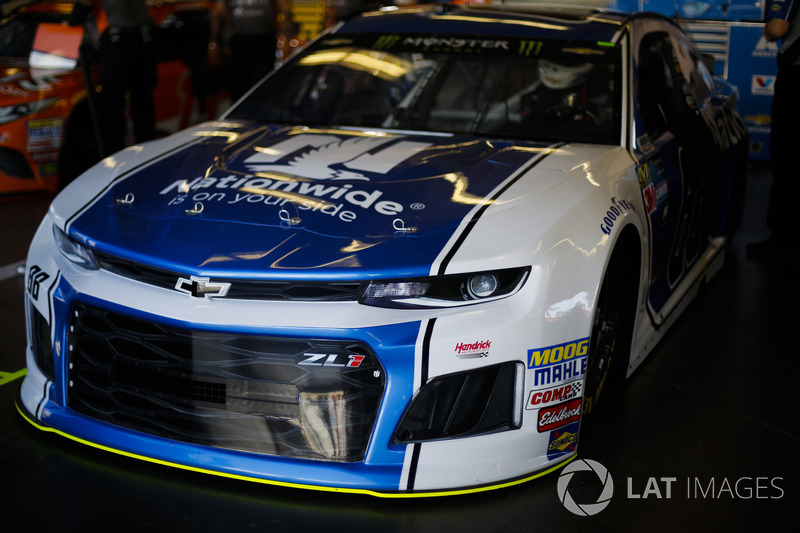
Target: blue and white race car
404,264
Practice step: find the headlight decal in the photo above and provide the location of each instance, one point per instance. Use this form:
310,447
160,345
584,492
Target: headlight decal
74,251
18,111
445,291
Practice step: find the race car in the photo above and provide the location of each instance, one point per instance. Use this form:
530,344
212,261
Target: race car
47,136
404,264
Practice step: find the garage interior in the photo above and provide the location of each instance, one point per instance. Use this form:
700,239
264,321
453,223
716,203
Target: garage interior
702,437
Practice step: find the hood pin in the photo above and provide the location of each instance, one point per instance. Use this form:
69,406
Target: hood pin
400,225
198,208
288,218
127,200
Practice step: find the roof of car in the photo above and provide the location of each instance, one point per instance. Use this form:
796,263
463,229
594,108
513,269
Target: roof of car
525,20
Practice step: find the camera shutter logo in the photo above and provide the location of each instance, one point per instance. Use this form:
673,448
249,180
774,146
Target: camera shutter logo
585,509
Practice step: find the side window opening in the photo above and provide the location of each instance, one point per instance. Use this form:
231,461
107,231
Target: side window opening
662,91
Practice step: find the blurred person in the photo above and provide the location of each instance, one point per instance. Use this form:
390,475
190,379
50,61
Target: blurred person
246,31
127,66
782,23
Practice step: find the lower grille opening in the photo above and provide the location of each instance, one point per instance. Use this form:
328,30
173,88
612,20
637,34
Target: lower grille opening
14,164
291,397
468,403
41,345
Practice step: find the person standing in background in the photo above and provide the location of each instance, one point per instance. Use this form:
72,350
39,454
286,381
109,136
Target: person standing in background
247,27
127,66
782,23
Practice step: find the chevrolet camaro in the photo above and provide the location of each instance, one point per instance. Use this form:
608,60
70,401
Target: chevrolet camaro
406,263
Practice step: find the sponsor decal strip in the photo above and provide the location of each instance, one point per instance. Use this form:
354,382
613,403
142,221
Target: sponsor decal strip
467,350
539,398
559,415
563,441
560,363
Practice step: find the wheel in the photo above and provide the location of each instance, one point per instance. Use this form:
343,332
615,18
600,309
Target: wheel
612,329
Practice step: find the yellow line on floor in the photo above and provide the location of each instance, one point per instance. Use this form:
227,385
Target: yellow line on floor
8,377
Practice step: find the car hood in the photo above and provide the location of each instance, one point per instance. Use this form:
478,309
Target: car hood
272,202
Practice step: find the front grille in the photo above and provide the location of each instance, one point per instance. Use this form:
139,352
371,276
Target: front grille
240,289
14,164
302,398
41,345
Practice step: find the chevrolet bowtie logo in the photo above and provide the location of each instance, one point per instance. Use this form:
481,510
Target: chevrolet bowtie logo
202,287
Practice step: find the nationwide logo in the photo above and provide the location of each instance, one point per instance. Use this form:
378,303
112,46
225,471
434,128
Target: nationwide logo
250,190
472,350
329,157
304,172
559,415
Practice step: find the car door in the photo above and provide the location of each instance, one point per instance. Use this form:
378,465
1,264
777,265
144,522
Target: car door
677,155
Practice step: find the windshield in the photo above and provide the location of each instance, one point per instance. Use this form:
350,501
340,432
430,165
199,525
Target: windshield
499,87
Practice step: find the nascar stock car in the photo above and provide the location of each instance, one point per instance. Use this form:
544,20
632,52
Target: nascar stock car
46,135
404,264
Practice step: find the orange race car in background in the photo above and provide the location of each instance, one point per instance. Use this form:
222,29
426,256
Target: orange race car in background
46,132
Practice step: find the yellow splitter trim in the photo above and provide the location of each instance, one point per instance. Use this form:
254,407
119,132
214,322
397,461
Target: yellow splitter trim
456,492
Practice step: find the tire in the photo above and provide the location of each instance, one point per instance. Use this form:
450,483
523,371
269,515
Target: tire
612,328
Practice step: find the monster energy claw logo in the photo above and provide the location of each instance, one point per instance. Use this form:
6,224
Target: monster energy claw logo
385,42
526,48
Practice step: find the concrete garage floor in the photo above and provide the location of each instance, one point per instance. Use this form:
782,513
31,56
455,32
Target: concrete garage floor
704,437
